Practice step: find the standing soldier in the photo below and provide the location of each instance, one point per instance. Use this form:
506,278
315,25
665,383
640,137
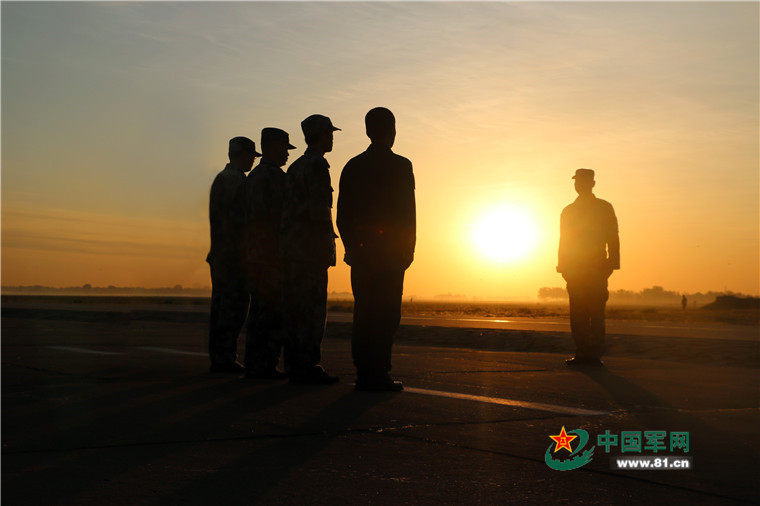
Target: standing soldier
377,223
308,248
229,298
263,194
589,250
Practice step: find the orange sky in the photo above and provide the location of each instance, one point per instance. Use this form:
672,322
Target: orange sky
115,119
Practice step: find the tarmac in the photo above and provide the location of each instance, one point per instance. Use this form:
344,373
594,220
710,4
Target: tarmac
99,408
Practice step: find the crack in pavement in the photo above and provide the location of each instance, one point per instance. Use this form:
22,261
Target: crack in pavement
330,433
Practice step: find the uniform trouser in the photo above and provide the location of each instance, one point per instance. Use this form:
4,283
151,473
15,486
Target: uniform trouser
305,315
377,315
229,305
263,342
588,297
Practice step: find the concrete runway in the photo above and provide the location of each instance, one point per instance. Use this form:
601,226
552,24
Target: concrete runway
540,324
123,411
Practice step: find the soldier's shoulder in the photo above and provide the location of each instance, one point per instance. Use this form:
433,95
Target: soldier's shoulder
297,163
307,161
604,204
570,207
353,164
357,159
266,172
229,174
227,178
402,163
402,159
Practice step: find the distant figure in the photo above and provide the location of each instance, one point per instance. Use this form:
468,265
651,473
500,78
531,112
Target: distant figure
377,223
589,250
308,249
684,302
229,297
263,194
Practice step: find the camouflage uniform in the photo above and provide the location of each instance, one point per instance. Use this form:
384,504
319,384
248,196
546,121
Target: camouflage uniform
263,195
308,248
588,234
229,297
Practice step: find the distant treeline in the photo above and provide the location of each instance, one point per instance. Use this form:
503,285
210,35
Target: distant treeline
176,291
655,295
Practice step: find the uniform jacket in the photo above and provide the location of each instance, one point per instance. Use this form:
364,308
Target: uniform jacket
376,209
308,235
225,215
588,239
263,196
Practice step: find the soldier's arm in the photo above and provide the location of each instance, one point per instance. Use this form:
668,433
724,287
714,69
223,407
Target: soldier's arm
561,251
613,241
237,205
213,205
346,216
410,215
275,198
317,193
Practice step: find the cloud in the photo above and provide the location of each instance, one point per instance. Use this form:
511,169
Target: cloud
100,234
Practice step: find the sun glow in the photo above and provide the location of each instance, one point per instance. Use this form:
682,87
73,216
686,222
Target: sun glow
505,234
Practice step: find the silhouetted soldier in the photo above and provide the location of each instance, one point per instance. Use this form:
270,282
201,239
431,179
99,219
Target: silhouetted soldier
377,223
229,297
308,249
589,250
684,302
264,193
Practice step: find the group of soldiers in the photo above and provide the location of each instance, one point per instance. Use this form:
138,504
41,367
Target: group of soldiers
273,241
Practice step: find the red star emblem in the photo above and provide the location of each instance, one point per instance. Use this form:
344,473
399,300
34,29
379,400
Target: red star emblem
563,440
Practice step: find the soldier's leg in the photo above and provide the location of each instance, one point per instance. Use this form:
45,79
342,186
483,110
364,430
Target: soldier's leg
264,332
305,316
229,304
380,310
290,324
361,328
598,295
577,289
316,315
390,287
250,325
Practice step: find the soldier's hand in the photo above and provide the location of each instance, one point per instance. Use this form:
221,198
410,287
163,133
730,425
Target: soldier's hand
408,260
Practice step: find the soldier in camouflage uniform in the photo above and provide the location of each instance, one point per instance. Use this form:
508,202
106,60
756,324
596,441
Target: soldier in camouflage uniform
229,297
308,249
263,194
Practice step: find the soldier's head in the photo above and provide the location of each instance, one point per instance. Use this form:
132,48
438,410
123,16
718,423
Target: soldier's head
381,126
275,144
584,181
318,132
242,152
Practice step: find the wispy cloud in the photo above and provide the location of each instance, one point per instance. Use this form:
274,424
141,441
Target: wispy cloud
99,234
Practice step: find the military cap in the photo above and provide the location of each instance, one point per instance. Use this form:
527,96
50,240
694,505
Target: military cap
316,124
238,144
584,174
275,134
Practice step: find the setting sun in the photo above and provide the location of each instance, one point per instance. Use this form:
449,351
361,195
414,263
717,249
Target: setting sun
505,234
